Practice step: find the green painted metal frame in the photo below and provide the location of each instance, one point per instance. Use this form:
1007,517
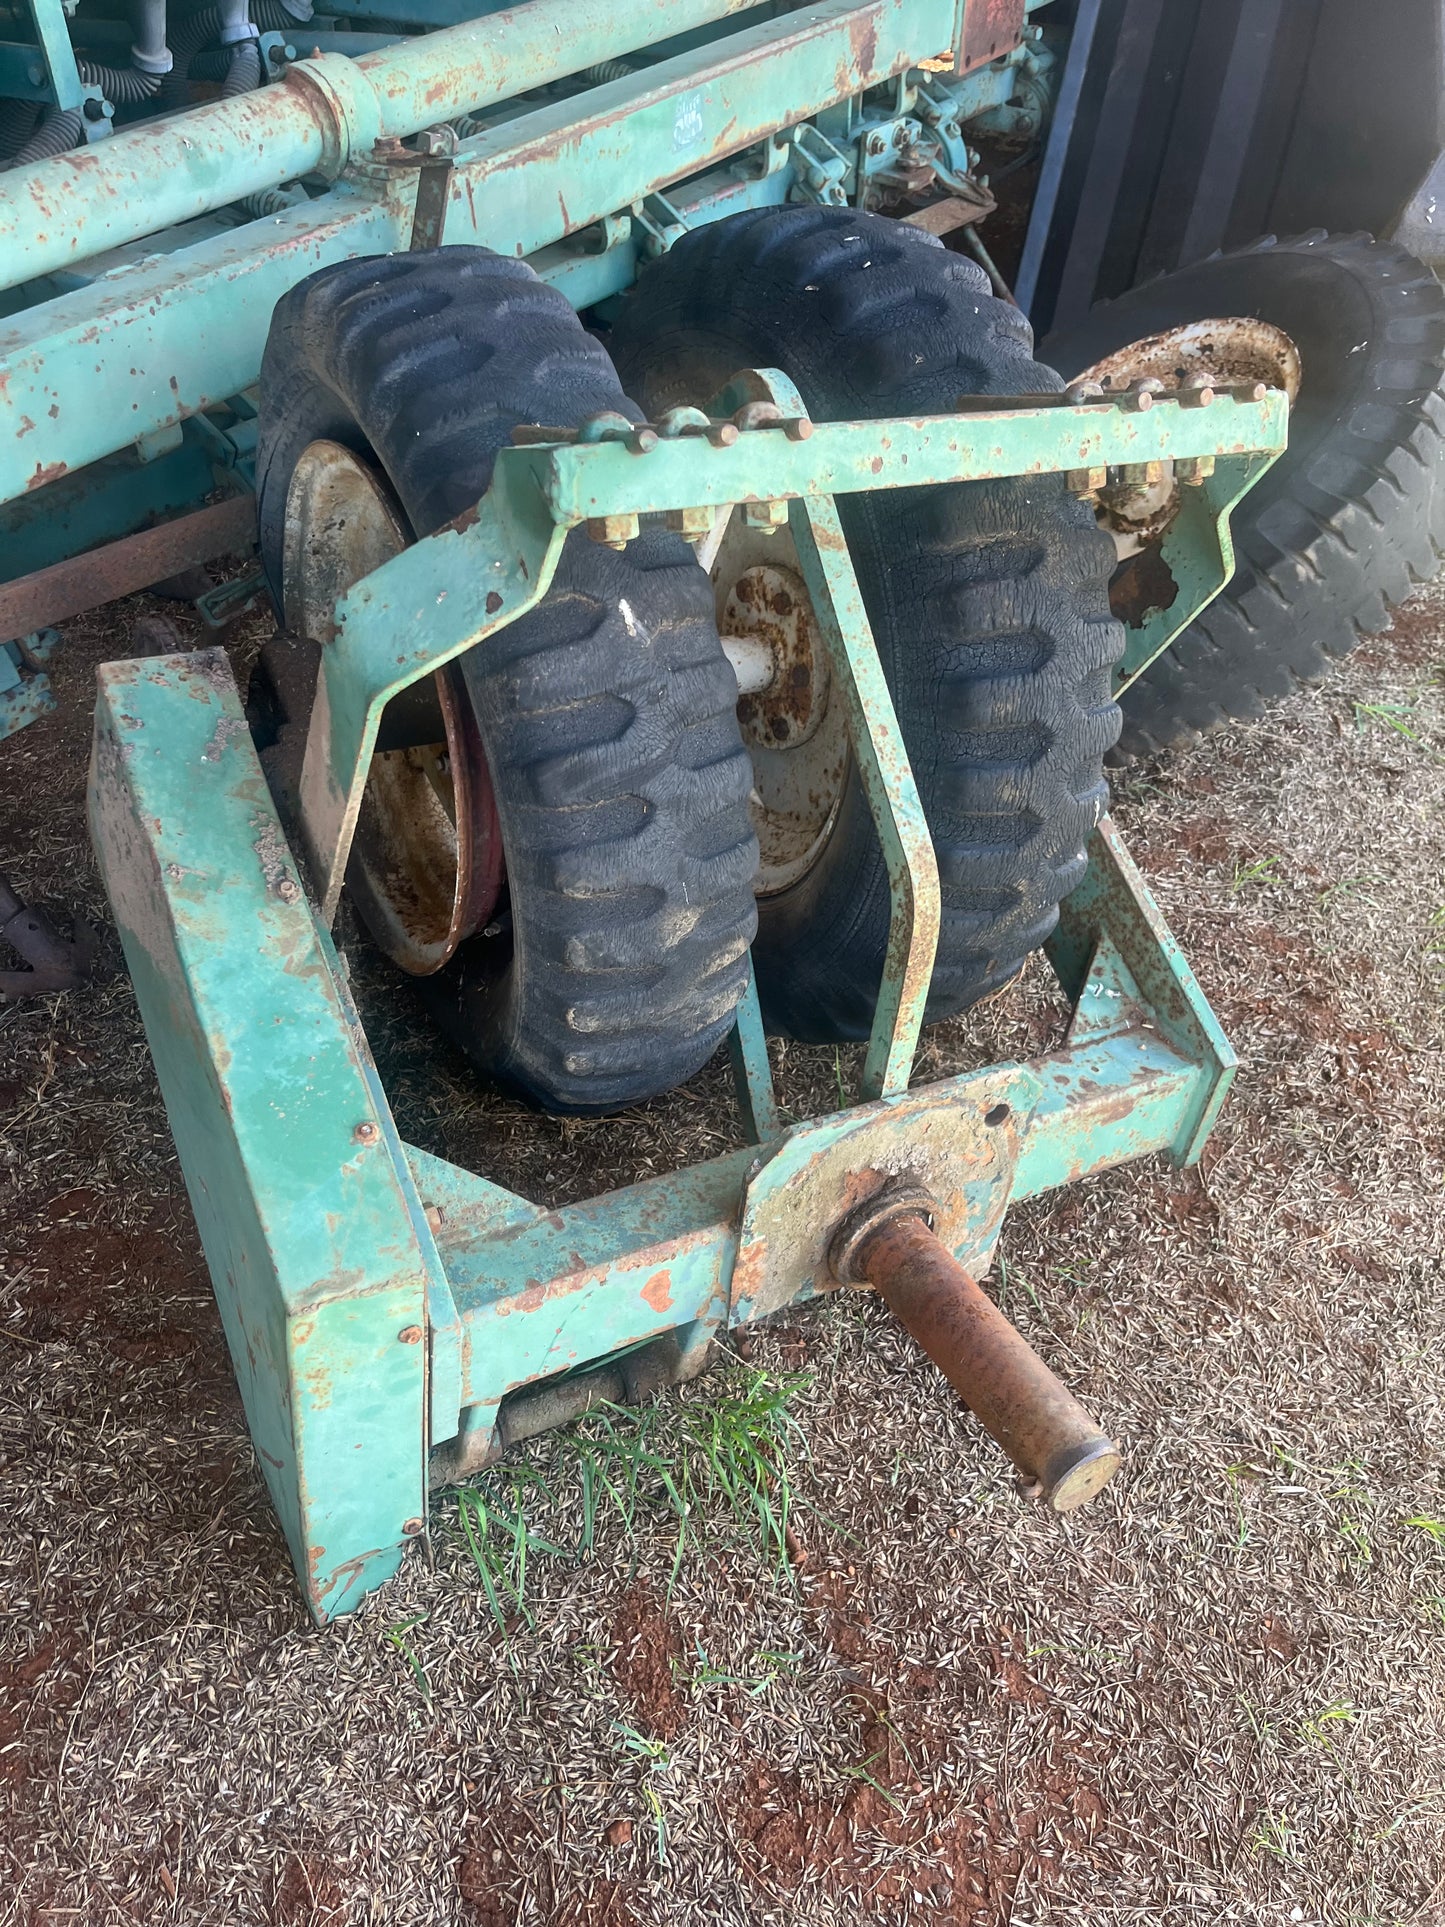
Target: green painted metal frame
380,1303
183,326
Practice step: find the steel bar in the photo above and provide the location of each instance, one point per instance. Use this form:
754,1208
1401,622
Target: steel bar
120,568
57,212
1018,1401
893,799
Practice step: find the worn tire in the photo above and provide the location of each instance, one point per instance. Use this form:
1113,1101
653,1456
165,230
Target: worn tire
988,601
608,714
1352,514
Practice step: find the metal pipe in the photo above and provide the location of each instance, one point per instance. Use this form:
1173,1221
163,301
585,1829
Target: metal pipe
332,110
1049,1436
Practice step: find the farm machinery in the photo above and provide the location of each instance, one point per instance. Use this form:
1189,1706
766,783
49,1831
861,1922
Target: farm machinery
693,622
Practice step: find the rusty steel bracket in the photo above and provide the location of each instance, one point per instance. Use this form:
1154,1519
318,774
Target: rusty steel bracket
55,962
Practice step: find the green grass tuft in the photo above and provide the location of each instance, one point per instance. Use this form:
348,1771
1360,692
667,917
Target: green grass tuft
693,1466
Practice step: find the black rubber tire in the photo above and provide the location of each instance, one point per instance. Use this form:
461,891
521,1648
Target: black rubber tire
1352,514
988,602
608,713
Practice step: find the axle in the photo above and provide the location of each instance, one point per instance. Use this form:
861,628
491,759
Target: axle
1058,1448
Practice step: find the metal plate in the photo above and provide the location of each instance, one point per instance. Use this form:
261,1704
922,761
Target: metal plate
990,28
941,1138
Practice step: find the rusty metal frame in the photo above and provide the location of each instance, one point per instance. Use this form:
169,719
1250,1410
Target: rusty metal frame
385,1309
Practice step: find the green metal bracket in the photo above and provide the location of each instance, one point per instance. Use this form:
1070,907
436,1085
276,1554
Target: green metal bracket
1196,559
387,1310
25,691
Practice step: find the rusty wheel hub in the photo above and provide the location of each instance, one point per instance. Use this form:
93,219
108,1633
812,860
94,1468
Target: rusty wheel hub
1225,352
792,719
426,866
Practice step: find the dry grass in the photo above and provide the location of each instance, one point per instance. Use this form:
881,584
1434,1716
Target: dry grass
1217,1697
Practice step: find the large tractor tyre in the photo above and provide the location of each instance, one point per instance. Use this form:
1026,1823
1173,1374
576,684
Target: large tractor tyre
1349,517
600,730
988,603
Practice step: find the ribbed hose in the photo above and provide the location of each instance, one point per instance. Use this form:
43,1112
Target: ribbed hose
56,134
244,72
220,63
124,86
17,124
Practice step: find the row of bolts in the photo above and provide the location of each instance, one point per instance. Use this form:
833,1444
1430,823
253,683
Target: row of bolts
616,531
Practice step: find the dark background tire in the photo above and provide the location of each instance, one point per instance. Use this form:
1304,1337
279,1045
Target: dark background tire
608,713
1352,514
988,601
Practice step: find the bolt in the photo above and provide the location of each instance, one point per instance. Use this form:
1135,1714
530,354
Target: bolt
275,55
613,531
1197,392
765,517
414,1528
1141,393
799,429
96,110
691,524
1194,470
1085,481
288,889
367,1132
409,1335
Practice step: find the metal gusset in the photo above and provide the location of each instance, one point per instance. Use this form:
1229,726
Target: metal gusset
889,1243
55,962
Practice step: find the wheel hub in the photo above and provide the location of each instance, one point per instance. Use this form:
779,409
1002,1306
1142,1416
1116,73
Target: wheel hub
426,866
791,717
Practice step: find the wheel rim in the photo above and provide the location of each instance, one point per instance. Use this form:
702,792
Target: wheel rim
426,866
1224,352
794,728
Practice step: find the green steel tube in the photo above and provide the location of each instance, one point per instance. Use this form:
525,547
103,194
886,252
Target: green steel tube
59,212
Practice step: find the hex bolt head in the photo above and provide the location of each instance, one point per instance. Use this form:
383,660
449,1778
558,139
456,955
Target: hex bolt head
765,517
409,1335
367,1132
288,889
613,531
693,525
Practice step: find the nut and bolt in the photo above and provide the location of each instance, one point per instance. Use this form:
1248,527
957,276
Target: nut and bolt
693,525
613,531
367,1133
765,517
1085,481
1194,469
288,889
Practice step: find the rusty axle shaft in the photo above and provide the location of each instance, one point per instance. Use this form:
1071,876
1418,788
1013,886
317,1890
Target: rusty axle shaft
1049,1436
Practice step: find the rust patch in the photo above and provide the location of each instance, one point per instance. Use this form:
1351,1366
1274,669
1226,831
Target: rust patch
1142,587
657,1292
49,472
